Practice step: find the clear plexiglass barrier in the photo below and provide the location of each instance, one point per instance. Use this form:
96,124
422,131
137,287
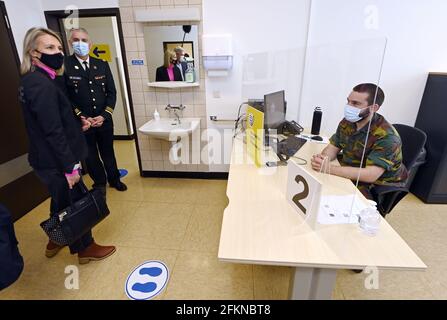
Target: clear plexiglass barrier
346,153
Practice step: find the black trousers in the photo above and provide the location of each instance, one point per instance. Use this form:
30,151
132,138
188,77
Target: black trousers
60,199
100,143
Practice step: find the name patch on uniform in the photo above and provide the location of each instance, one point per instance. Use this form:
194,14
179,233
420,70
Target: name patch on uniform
75,78
100,77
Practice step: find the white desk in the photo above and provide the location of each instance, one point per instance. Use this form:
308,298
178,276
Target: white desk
260,227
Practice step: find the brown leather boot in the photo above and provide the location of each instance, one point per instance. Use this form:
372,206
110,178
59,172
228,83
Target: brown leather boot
52,249
95,252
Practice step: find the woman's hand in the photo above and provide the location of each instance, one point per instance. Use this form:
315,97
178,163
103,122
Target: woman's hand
72,179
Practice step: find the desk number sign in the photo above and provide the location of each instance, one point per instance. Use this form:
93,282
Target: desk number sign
303,191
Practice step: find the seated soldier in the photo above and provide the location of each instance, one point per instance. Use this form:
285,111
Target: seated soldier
382,163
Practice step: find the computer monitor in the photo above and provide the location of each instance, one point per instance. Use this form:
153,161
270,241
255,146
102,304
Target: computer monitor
274,110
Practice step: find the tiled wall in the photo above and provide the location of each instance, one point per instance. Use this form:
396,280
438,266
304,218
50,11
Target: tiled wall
155,153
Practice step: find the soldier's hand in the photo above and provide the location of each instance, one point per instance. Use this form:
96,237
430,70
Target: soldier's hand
85,124
98,121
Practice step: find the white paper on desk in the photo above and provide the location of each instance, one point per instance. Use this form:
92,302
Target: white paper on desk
337,209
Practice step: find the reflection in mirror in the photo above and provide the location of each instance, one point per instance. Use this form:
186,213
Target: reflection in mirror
172,53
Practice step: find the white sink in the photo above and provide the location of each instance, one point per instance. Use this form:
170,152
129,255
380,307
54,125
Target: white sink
168,128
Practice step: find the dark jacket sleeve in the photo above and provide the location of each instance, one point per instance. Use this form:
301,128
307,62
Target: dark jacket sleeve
177,74
159,74
111,94
45,107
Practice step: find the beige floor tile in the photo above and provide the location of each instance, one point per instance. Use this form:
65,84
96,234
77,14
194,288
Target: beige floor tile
108,279
121,213
200,276
203,233
157,225
393,285
271,283
213,192
174,191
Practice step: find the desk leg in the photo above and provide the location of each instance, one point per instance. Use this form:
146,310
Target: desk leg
312,284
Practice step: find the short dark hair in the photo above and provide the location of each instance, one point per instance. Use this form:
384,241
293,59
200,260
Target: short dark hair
371,90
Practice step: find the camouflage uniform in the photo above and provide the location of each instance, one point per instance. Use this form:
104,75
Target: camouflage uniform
382,150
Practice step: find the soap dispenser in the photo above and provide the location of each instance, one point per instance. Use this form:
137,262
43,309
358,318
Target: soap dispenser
156,115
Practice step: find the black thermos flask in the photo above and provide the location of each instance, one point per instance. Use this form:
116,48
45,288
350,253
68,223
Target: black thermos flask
316,121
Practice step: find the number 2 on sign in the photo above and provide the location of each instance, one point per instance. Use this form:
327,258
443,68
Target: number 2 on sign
303,195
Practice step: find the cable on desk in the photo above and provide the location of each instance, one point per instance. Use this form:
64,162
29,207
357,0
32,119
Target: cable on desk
304,161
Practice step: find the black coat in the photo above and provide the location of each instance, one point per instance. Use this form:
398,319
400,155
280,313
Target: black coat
162,74
92,94
55,136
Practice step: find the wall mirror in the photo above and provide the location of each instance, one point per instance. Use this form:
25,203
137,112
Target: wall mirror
173,55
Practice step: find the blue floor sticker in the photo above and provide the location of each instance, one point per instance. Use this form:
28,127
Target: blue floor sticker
147,280
123,173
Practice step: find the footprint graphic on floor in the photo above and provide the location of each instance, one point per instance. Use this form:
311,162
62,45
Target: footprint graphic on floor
147,280
152,272
145,287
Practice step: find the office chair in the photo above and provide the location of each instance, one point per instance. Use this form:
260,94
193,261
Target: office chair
414,153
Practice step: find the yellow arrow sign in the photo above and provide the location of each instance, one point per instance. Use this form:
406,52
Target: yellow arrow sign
101,51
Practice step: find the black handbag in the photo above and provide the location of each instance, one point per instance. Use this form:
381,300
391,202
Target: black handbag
69,225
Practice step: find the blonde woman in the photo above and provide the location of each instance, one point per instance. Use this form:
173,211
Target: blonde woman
56,142
168,71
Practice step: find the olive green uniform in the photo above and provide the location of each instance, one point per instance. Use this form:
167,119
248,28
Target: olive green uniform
383,149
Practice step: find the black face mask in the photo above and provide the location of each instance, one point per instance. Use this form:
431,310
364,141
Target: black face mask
54,61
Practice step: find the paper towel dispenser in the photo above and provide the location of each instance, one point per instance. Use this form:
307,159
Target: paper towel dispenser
217,53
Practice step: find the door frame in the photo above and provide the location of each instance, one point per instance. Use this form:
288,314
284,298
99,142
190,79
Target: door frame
28,187
54,22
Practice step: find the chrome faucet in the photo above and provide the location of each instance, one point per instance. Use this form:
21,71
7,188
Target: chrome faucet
175,108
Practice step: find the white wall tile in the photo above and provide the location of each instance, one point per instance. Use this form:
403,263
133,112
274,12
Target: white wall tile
199,97
134,72
150,98
162,98
155,144
152,3
127,14
174,97
141,45
180,2
138,97
130,43
203,168
199,110
139,3
195,2
139,110
157,155
167,2
187,97
128,29
139,29
125,3
143,142
147,165
168,166
150,109
146,155
136,85
188,112
157,166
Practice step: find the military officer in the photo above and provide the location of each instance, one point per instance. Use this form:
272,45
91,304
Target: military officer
382,163
92,92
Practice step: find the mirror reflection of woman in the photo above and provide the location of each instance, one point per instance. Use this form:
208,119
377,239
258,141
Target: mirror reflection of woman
168,71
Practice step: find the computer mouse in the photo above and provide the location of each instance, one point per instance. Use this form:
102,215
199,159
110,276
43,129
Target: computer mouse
317,138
